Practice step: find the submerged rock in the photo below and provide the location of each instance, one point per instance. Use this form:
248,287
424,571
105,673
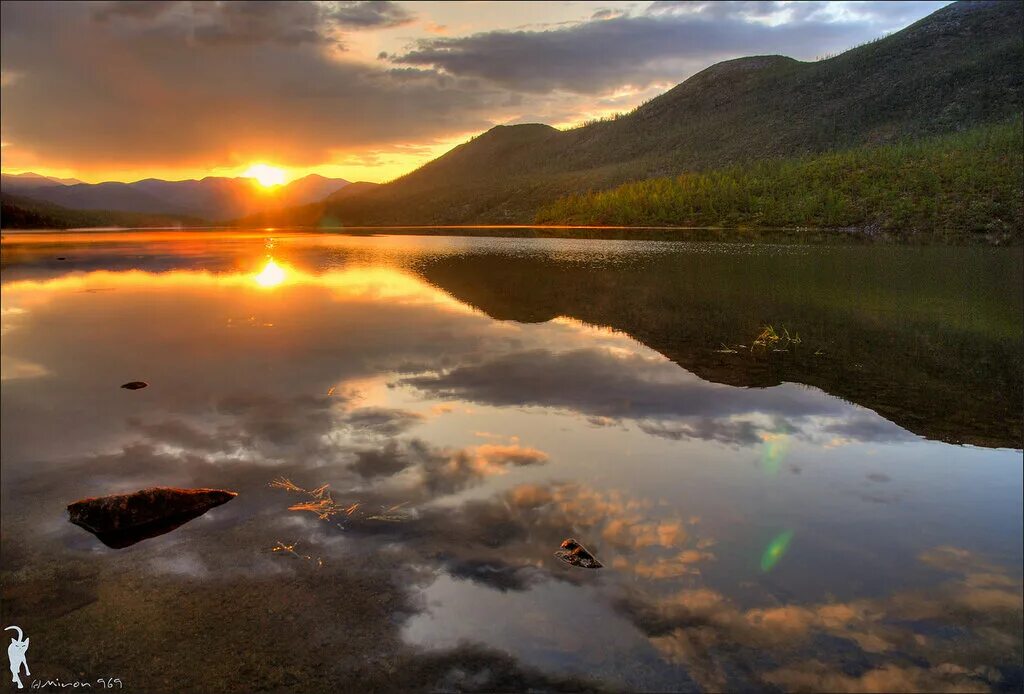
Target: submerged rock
121,520
575,554
135,385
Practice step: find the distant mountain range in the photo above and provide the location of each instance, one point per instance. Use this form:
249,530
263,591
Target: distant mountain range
16,183
214,199
959,67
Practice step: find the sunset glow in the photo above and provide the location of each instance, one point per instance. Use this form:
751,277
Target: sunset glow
267,176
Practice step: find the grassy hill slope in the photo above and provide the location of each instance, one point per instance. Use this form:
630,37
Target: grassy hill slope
959,67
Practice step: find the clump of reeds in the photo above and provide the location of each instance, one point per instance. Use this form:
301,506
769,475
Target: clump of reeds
771,339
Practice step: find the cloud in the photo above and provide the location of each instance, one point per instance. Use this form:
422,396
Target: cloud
668,43
288,23
382,421
885,14
738,432
607,386
213,85
437,470
495,574
256,21
494,456
816,676
725,646
381,462
610,383
133,9
866,426
376,14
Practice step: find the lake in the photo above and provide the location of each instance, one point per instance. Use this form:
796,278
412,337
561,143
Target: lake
800,465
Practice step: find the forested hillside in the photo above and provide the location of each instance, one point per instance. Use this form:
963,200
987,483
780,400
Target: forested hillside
965,184
960,67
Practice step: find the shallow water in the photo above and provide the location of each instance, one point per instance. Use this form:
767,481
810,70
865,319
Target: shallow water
840,510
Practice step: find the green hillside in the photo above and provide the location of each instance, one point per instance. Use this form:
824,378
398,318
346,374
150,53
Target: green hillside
17,212
960,67
969,183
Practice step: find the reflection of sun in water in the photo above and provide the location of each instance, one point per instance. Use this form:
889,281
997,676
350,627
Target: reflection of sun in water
271,275
266,176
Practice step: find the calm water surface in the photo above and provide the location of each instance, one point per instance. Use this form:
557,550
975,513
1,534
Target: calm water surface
841,510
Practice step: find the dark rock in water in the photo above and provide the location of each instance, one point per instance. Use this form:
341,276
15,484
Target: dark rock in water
121,520
60,257
135,385
575,554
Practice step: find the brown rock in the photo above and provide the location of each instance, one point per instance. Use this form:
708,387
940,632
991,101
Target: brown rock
121,520
575,554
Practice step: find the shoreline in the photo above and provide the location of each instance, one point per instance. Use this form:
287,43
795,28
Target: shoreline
796,235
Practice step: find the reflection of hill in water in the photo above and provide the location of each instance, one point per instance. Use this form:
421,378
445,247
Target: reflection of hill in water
929,338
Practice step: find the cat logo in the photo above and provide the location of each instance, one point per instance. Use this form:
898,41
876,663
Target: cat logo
16,654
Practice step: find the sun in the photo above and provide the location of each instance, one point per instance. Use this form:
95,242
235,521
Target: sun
271,276
267,176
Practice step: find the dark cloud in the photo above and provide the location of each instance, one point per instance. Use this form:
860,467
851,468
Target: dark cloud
177,86
135,9
668,43
279,423
376,14
494,573
606,13
382,421
742,433
381,462
255,21
177,432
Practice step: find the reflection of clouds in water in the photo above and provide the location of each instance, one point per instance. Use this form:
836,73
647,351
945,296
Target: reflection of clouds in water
728,431
382,421
270,428
608,385
12,368
867,426
505,542
606,382
937,639
187,564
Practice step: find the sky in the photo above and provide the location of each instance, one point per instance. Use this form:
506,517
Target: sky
359,90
